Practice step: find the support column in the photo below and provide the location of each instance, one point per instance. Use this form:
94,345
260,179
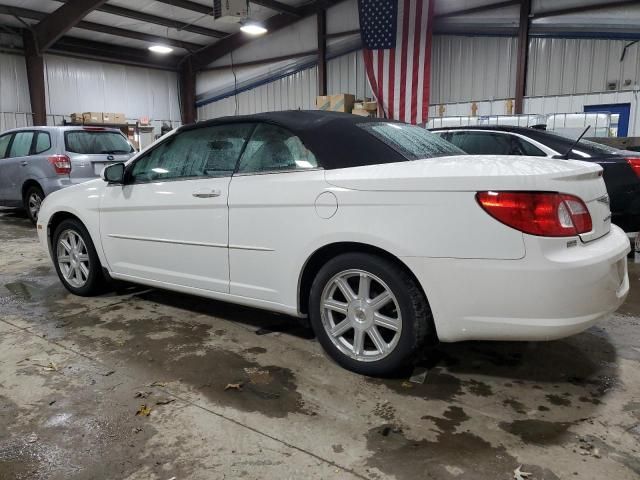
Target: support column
35,79
188,91
322,52
523,55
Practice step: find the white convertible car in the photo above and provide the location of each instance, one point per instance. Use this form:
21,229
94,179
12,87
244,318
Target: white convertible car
382,233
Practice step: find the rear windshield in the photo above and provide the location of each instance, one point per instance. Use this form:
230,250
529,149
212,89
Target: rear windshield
588,146
89,142
410,141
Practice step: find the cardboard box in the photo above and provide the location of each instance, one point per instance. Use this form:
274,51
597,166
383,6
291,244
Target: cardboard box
323,102
370,106
362,112
119,118
107,117
342,102
92,117
76,118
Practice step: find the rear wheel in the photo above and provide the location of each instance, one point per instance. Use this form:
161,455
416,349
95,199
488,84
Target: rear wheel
76,260
32,200
368,313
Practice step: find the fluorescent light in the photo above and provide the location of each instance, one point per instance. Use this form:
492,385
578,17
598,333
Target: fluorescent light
161,49
253,28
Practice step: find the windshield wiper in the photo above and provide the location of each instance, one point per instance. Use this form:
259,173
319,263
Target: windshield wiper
112,152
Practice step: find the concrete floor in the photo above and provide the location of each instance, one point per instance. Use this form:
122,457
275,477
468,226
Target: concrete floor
74,372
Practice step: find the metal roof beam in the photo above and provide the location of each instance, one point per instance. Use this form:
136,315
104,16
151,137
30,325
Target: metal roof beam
157,20
482,8
60,21
584,8
279,7
212,52
99,27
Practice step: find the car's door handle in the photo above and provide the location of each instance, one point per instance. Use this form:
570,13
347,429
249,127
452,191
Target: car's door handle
24,163
207,194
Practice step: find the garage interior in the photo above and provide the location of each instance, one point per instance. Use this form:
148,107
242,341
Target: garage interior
146,384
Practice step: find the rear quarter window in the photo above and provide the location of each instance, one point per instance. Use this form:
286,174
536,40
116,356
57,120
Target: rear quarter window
43,143
410,141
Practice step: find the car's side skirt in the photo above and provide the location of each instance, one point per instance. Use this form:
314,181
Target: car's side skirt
225,297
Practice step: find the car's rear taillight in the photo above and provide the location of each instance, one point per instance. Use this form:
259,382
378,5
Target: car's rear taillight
61,164
546,214
634,163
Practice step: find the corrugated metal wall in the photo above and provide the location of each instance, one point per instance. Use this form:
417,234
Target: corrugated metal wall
346,74
570,66
14,92
472,68
297,91
75,85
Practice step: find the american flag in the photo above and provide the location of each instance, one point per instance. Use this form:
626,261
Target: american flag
396,36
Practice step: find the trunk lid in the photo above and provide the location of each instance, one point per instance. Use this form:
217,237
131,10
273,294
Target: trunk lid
487,172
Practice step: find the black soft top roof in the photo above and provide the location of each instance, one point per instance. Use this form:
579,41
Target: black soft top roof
334,138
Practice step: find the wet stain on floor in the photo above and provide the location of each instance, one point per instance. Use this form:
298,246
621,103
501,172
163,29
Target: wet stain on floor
537,431
453,450
172,351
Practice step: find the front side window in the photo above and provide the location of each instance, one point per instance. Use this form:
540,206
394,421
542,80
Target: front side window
43,143
413,142
4,144
201,152
96,142
21,145
273,149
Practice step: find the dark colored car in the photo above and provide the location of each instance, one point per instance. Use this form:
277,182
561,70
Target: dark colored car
621,167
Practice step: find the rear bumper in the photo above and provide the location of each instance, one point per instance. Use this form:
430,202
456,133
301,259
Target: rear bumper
553,292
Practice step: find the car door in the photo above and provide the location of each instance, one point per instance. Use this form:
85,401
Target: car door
15,166
169,222
272,214
5,141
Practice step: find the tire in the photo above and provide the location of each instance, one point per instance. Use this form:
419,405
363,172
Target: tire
382,350
87,281
32,200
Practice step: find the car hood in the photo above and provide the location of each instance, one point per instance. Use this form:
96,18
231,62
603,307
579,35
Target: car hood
471,173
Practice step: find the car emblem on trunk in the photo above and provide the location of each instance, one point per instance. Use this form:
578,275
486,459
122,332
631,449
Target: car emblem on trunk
110,157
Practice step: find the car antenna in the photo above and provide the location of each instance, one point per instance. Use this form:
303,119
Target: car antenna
574,144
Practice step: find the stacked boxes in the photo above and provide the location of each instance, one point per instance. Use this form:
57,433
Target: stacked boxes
342,102
99,118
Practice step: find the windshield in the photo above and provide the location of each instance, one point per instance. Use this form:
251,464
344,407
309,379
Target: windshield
410,141
90,142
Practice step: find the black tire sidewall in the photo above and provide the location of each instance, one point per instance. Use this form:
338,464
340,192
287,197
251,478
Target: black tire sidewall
32,189
405,350
96,278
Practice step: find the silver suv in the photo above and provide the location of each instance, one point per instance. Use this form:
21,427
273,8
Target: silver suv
35,161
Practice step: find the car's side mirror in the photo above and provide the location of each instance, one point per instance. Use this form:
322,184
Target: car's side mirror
114,173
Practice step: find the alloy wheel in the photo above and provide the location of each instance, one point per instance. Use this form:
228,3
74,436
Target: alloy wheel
73,258
361,315
34,202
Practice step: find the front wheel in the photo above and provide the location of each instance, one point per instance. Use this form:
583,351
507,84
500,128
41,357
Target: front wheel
368,313
76,260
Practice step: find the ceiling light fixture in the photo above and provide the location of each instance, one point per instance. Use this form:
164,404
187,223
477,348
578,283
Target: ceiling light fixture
253,28
163,49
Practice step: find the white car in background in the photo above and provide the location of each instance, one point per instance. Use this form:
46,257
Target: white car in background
382,233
